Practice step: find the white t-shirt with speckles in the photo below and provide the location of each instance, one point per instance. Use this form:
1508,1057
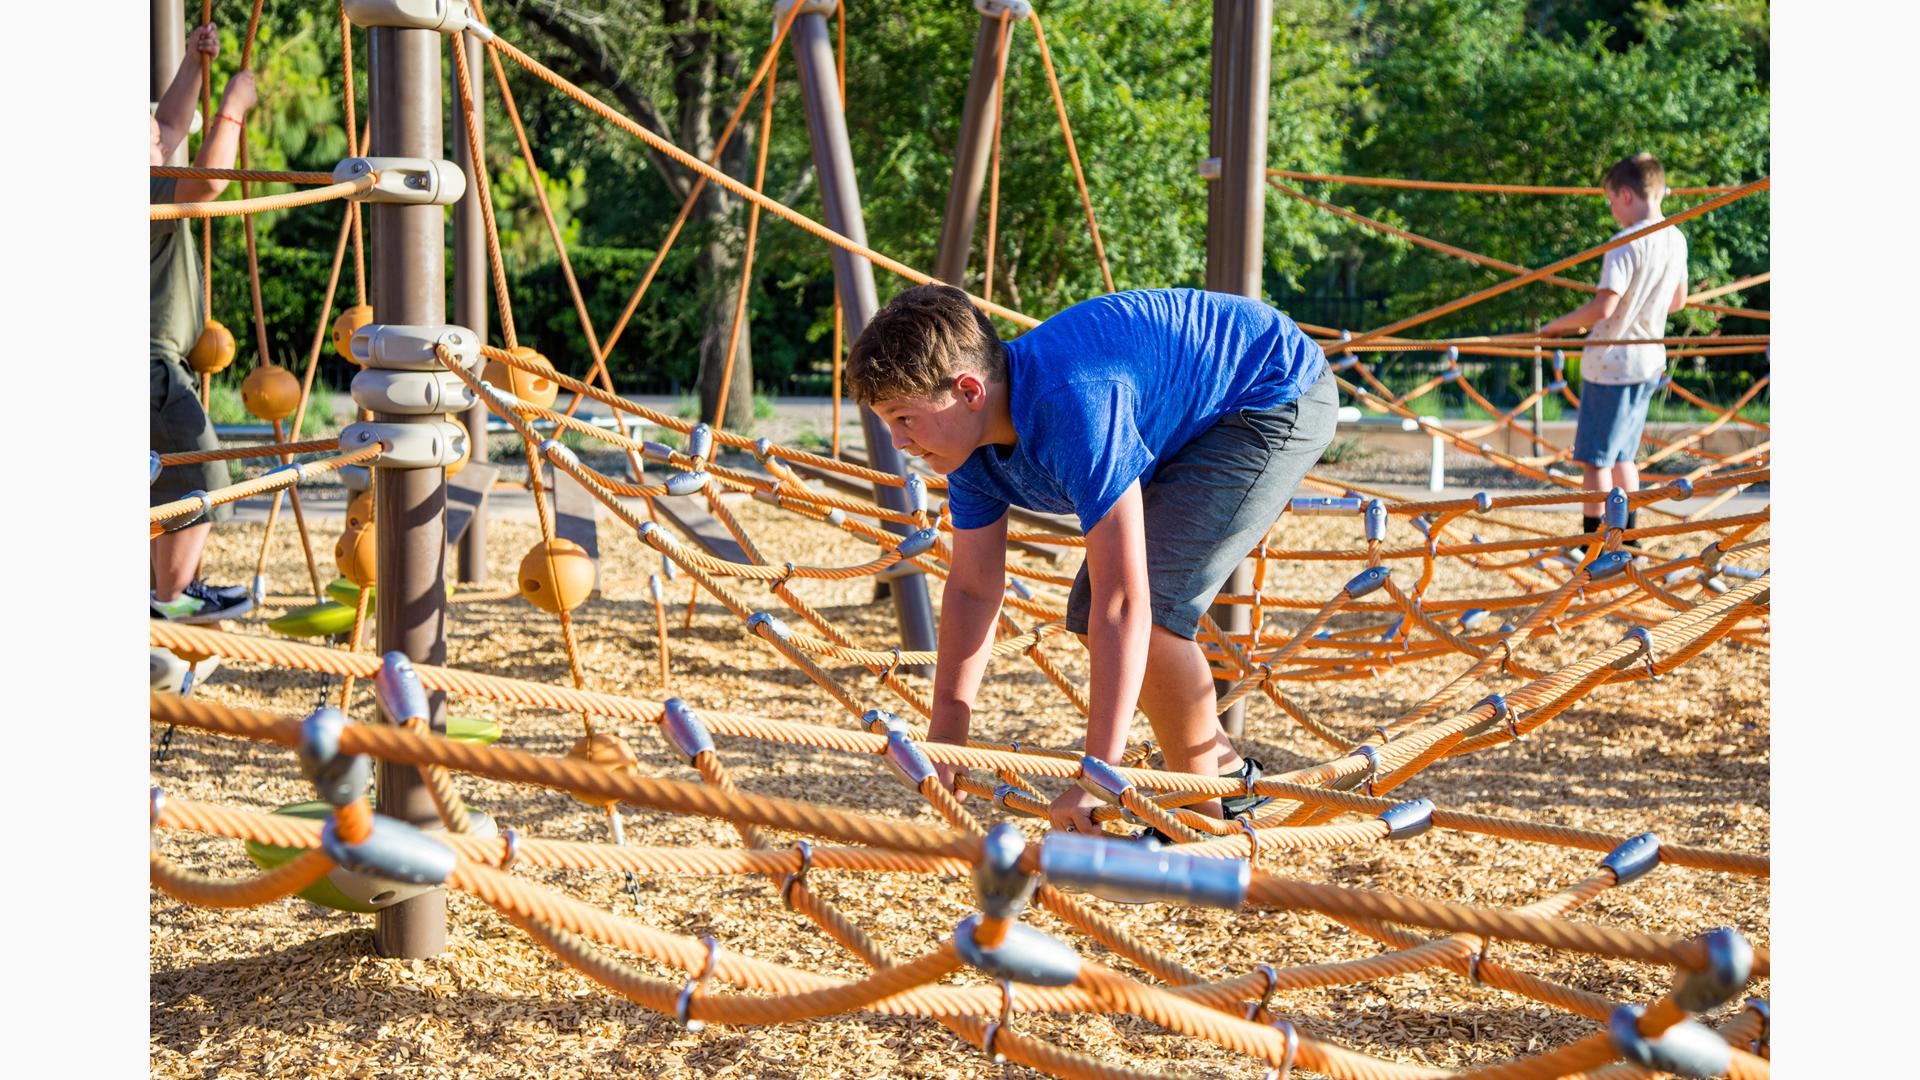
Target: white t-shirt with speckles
1646,274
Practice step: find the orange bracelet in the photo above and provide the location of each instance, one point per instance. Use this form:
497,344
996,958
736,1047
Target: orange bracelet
219,116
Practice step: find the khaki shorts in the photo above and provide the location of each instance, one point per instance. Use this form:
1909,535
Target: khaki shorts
180,423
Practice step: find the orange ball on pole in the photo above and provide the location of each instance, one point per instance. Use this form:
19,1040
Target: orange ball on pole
214,350
560,583
350,320
270,392
607,751
528,386
353,555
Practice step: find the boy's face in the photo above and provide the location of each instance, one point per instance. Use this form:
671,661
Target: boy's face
1626,207
943,430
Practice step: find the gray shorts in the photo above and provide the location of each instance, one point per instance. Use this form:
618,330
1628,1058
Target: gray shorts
1214,499
179,423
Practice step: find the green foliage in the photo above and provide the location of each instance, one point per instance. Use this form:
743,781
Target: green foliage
1548,91
1469,90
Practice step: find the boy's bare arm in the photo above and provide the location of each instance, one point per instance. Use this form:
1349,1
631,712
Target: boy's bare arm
222,142
1118,627
1582,318
175,110
969,608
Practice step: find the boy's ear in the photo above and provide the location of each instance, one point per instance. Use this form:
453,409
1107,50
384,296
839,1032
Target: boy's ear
971,388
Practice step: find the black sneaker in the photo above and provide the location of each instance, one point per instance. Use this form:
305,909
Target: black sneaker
1234,806
227,592
198,603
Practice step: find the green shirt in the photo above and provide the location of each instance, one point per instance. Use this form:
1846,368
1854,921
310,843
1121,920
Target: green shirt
176,306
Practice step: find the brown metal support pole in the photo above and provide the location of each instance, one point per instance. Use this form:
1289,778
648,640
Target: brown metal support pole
972,155
168,45
1236,207
470,282
840,198
409,287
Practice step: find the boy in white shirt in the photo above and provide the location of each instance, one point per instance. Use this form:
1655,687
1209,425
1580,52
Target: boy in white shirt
1640,284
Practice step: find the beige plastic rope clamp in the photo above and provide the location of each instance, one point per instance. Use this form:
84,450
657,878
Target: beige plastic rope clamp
412,393
402,347
807,7
429,445
684,1003
404,181
1019,9
445,16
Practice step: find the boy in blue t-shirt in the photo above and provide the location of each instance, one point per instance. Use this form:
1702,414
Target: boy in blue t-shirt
1175,424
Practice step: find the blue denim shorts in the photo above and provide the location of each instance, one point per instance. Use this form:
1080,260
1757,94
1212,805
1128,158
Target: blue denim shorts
1215,498
1611,420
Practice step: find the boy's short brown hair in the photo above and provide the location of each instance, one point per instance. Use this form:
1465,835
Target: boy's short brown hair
1641,174
915,345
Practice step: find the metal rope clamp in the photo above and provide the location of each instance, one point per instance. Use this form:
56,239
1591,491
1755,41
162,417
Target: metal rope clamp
1366,581
1633,858
1127,871
1641,634
685,731
687,483
1001,887
1729,965
683,1005
1612,564
1688,1048
990,1044
916,543
153,467
1499,703
555,450
397,687
916,494
1760,1005
882,722
1348,783
404,180
761,620
396,861
798,877
1024,955
1617,509
339,779
1408,819
1376,520
907,761
700,443
1290,1036
1104,782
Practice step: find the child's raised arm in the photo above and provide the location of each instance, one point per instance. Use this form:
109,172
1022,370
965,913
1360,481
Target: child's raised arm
175,110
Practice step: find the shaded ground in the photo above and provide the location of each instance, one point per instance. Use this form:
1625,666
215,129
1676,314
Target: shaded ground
293,990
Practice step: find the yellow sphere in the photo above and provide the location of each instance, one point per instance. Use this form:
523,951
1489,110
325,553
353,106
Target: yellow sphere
607,751
350,320
353,555
565,584
525,385
466,454
360,511
270,392
214,350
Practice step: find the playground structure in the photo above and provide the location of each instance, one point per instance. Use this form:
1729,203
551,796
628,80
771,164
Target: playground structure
1534,584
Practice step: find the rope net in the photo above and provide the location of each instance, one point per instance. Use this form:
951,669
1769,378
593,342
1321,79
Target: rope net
1507,623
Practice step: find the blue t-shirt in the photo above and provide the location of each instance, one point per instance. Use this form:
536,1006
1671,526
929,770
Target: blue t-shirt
1107,389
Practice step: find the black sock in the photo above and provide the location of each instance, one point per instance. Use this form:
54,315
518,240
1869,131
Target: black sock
1589,523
